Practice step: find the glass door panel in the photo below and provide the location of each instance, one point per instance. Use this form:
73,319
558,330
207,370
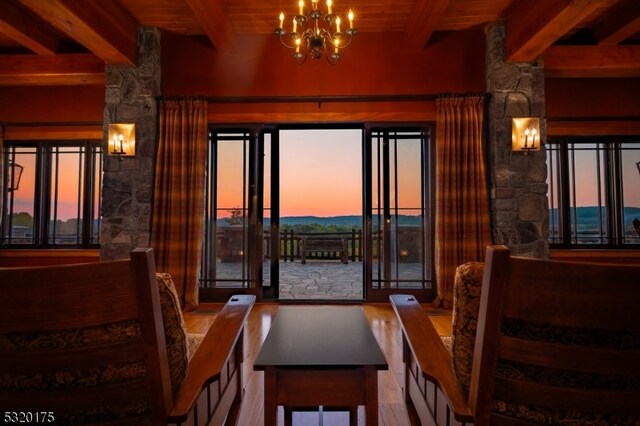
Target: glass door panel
225,260
400,241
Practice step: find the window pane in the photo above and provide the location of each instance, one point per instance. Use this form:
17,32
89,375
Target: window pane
630,164
266,247
398,211
66,197
97,194
409,231
588,210
19,225
224,261
554,180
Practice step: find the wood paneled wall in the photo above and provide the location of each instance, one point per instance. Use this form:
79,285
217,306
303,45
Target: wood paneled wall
26,257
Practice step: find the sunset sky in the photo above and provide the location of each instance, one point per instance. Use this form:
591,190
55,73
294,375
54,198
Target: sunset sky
321,172
68,172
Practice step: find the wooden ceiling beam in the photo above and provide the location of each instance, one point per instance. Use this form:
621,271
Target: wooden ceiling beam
103,27
623,23
27,31
534,26
32,70
423,21
592,61
212,17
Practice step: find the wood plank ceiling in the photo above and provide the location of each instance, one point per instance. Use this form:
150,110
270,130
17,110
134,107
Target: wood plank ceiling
69,41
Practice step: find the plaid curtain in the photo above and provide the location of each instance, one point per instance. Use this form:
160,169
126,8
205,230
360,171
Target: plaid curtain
178,209
462,211
1,176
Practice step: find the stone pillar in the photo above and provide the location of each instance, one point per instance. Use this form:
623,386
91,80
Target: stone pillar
127,185
519,205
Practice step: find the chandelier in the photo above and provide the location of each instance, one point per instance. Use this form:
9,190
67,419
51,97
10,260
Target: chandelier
309,37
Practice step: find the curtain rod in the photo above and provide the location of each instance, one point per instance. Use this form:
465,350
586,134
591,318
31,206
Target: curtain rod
314,99
50,123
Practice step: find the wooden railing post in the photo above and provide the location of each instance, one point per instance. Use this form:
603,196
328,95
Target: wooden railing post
353,244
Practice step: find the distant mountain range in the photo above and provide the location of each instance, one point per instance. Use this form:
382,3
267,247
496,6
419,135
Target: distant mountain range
348,220
324,221
588,216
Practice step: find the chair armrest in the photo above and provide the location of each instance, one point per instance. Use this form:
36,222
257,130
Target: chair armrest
430,354
212,355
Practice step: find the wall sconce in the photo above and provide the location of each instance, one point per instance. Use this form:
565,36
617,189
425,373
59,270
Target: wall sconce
525,134
14,172
122,140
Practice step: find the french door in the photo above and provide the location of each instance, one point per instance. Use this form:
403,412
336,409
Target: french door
398,223
243,243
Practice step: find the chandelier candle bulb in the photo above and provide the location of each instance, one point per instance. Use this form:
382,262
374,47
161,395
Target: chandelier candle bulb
301,4
295,25
281,20
338,24
350,19
329,7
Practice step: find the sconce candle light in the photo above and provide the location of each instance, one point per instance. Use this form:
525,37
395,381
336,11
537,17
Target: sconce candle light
14,175
122,140
525,134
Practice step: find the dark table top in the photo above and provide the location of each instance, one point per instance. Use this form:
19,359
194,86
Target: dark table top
320,337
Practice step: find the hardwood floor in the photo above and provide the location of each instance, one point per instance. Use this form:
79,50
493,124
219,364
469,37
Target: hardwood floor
384,324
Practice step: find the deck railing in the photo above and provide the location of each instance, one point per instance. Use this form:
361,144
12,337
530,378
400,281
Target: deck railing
231,242
290,245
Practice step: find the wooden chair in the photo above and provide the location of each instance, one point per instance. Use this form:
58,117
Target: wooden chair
85,344
556,343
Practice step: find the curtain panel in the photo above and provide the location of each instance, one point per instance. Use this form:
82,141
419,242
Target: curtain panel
1,177
178,210
462,223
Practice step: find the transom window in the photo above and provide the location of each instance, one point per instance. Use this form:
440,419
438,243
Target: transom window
594,191
51,194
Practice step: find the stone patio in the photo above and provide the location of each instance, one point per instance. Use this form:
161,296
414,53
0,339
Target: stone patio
319,279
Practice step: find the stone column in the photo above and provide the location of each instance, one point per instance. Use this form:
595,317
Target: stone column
127,185
519,205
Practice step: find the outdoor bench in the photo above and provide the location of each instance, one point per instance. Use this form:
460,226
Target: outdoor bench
320,245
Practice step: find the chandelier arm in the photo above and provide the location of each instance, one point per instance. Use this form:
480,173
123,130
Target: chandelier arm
331,59
348,42
285,44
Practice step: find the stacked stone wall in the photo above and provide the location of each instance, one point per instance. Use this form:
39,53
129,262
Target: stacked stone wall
519,205
127,189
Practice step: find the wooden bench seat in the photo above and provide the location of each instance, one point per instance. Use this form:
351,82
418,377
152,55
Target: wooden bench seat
324,245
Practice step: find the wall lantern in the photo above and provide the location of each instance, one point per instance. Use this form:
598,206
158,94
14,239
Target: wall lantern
14,172
525,134
122,140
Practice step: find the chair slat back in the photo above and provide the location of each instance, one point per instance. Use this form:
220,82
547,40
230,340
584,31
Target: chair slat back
85,342
556,341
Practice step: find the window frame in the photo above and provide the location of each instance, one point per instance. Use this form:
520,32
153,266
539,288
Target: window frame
609,175
46,181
